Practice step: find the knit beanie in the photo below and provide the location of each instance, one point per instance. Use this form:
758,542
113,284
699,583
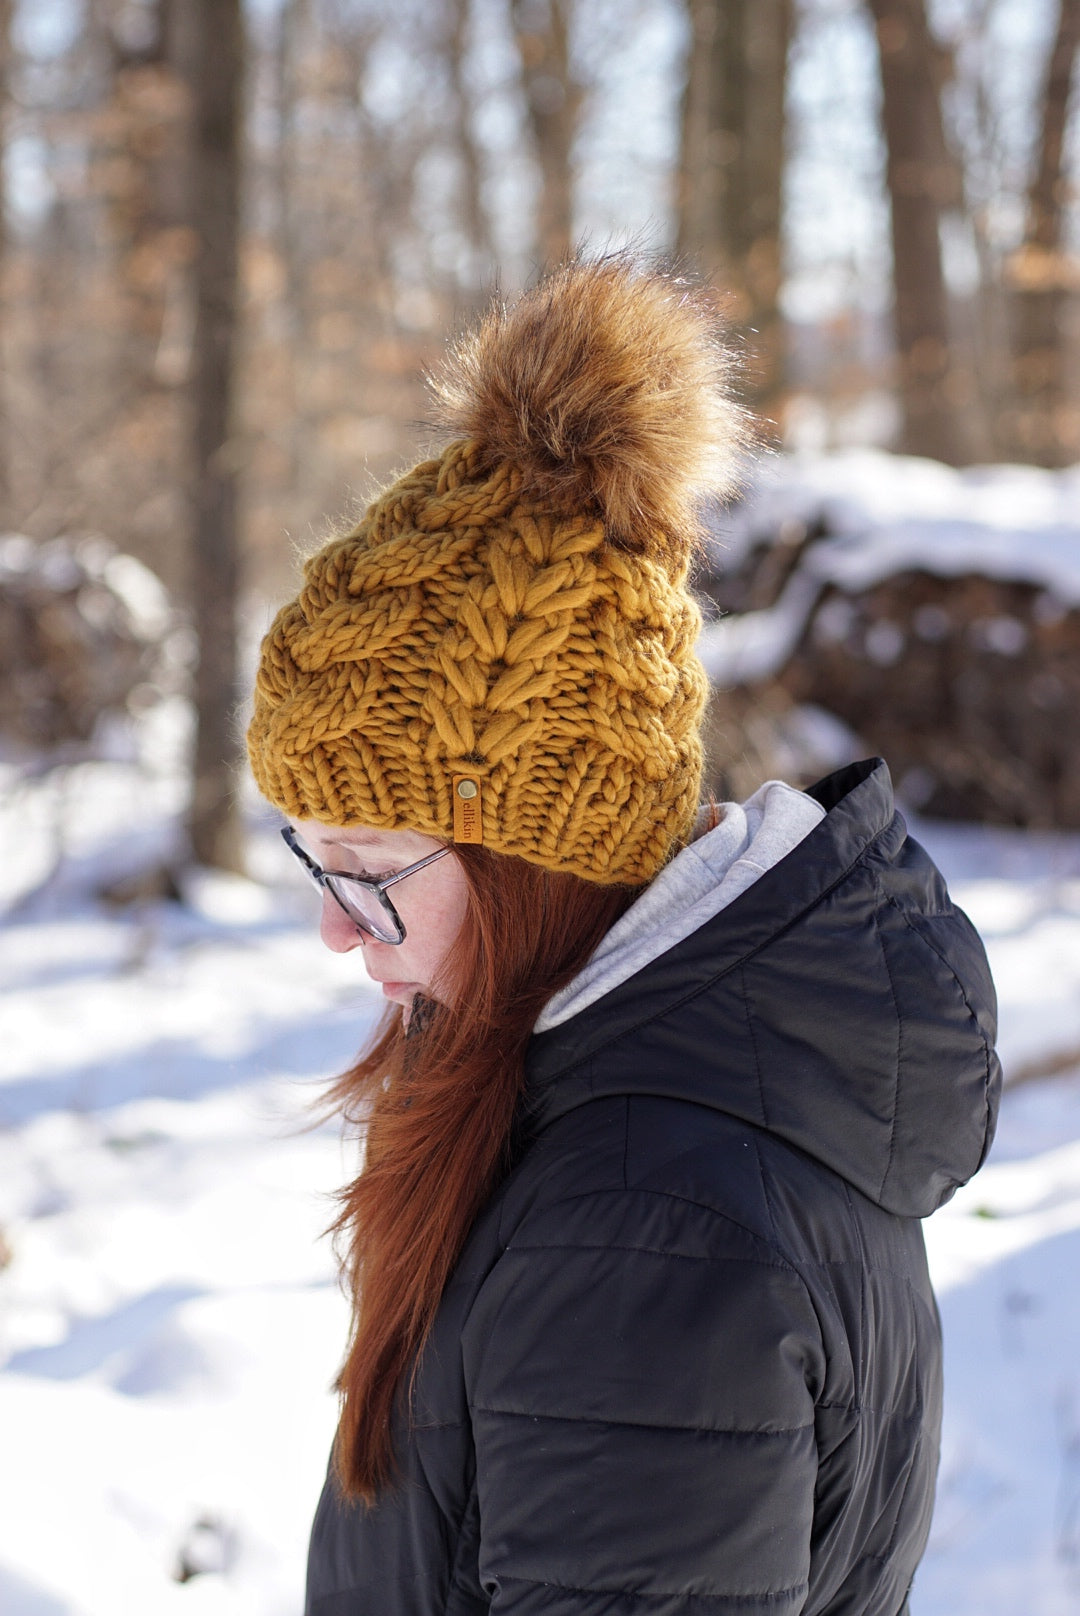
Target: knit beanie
501,652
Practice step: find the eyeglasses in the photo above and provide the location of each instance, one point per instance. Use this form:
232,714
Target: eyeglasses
364,901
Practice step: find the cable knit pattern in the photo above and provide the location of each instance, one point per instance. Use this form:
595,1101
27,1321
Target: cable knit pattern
517,609
459,628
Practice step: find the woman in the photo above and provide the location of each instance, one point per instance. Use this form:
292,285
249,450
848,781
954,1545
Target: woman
642,1322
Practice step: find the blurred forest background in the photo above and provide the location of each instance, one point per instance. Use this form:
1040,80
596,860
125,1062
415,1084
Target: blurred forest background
234,235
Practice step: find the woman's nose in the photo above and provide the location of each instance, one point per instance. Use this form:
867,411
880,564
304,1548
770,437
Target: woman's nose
336,929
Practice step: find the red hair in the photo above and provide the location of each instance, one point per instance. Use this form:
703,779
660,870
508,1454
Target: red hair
436,1104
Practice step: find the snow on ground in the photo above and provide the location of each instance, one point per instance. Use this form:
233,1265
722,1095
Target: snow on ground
1005,1256
883,514
169,1317
170,1320
1001,521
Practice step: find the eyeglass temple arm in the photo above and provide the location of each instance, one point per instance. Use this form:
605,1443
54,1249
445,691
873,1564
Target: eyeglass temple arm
319,874
389,880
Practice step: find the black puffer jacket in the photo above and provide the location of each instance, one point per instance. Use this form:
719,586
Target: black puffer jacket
689,1364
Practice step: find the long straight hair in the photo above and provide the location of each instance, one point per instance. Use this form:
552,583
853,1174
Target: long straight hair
436,1102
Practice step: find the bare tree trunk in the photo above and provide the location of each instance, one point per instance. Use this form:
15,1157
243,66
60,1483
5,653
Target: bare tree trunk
291,24
554,100
140,145
474,213
730,185
1043,425
218,77
990,353
936,393
5,96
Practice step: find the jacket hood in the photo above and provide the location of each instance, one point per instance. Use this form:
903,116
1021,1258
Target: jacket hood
842,1003
733,845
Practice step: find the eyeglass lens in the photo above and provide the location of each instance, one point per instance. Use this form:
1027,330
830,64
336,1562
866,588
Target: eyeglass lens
366,907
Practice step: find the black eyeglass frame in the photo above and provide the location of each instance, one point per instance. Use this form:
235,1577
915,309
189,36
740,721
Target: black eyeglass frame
325,881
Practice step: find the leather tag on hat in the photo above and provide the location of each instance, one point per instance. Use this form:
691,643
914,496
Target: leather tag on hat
468,821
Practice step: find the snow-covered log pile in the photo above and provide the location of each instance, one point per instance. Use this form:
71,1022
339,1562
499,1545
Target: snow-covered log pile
935,612
86,635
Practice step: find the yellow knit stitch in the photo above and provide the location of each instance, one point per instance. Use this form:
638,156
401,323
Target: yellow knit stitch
453,629
472,624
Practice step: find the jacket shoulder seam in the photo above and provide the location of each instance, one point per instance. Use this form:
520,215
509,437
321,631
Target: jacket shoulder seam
654,1251
643,1425
652,1598
780,1259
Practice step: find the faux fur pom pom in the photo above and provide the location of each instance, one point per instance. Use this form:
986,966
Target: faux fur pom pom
605,385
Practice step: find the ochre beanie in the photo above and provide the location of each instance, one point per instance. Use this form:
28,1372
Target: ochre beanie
503,649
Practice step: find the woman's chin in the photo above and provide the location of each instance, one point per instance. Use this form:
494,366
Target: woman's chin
400,992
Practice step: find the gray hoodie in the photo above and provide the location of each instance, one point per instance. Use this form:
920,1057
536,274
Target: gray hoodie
704,878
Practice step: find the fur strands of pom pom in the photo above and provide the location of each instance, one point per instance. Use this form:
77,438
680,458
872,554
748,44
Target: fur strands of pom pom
606,386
